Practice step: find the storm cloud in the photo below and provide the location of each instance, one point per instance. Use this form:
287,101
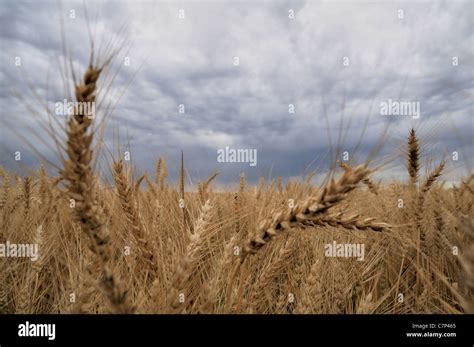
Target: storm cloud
287,78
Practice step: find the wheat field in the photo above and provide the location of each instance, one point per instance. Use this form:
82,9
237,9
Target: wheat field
145,245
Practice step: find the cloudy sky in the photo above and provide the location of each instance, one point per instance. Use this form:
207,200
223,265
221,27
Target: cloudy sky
336,62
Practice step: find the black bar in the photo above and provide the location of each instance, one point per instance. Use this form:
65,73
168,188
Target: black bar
295,330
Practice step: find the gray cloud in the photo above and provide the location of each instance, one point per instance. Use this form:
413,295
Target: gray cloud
282,61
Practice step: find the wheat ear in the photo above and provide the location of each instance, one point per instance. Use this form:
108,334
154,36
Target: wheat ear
311,291
6,187
261,291
333,193
164,174
367,181
203,187
78,175
413,156
27,199
353,222
185,214
181,283
131,213
159,166
431,179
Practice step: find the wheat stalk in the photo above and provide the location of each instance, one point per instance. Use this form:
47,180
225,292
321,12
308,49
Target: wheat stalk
367,181
181,282
420,201
333,193
181,177
371,185
163,176
239,203
204,186
413,157
5,285
184,209
130,210
260,187
27,199
262,289
6,187
433,176
311,291
467,263
78,175
352,222
158,169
